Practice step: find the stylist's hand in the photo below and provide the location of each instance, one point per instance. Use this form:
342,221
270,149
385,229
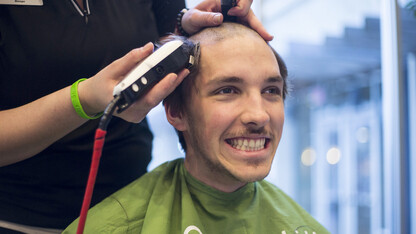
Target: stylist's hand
97,92
208,14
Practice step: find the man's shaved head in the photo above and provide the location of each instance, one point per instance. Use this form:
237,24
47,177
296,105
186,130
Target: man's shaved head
213,35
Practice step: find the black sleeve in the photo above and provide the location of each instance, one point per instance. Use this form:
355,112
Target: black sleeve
165,13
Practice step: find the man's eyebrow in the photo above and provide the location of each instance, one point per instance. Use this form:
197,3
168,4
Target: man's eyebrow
274,79
226,80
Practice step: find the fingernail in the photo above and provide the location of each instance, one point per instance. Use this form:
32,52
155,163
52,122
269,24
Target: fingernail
173,79
148,45
233,11
186,72
182,74
217,18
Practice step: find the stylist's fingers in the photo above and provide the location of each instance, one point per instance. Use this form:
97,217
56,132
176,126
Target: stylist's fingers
207,14
254,23
97,92
194,20
139,109
241,9
123,65
166,86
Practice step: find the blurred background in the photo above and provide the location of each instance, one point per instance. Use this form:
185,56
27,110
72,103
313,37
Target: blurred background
348,151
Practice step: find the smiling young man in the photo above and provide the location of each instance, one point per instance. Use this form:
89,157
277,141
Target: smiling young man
232,116
229,114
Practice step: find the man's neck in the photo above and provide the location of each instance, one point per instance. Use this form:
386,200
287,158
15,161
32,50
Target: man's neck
216,180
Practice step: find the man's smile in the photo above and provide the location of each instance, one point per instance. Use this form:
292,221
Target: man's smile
248,144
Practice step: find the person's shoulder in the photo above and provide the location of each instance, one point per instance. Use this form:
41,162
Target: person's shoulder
271,189
142,188
275,194
126,209
279,198
287,208
107,216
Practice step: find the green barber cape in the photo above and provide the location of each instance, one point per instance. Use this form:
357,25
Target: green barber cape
169,200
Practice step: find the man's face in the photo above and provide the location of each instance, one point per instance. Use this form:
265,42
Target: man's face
234,117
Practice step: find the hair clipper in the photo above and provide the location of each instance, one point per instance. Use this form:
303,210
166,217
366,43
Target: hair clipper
226,5
170,57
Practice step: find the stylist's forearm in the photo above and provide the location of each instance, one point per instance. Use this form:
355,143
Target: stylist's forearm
29,129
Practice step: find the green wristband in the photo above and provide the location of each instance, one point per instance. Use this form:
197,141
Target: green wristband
77,104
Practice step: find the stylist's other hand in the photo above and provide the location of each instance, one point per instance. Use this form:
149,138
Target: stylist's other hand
97,92
208,14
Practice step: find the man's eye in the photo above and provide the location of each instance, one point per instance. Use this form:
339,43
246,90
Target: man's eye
227,90
273,90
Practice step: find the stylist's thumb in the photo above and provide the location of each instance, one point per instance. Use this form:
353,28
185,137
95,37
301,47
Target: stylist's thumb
123,65
194,20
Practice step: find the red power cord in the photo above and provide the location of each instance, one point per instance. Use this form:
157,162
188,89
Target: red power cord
98,147
95,161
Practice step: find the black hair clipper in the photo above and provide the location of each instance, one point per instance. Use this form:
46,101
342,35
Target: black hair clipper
171,57
226,5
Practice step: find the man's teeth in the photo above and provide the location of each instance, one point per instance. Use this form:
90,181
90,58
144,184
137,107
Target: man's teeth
248,144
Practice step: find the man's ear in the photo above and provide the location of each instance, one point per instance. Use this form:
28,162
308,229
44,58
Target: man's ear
175,118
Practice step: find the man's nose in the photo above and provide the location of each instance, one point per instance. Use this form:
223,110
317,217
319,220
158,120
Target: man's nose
254,112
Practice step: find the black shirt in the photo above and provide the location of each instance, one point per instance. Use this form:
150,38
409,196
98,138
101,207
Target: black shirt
46,48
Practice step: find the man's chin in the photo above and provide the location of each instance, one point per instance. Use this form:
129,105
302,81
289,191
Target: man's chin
248,177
